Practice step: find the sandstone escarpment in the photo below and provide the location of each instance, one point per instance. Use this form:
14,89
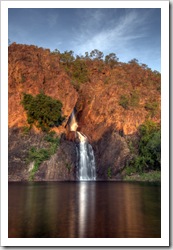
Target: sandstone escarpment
99,107
31,70
110,105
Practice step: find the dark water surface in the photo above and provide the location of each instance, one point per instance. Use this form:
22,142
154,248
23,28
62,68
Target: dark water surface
84,209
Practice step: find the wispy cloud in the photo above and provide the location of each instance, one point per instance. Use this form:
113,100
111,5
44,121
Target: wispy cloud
130,33
116,35
51,20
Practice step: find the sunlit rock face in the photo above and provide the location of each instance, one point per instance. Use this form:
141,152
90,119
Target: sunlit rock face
31,70
98,107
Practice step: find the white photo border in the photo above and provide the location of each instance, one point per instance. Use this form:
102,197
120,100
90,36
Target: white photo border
164,240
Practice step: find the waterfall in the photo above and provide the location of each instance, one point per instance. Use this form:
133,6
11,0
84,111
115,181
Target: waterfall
73,123
86,159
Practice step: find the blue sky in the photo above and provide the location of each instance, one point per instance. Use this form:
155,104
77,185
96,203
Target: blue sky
129,33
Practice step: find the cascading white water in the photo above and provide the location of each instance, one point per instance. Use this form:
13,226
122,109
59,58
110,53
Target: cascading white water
73,123
86,159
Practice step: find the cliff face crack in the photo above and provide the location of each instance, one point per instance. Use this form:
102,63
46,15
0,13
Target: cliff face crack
86,159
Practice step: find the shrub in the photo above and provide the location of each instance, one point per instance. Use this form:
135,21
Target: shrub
77,71
149,153
25,130
124,101
134,100
152,107
67,57
42,110
109,173
150,145
68,166
23,78
38,155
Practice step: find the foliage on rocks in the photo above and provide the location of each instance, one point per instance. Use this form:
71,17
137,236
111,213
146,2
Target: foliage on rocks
149,151
42,111
38,155
124,101
152,108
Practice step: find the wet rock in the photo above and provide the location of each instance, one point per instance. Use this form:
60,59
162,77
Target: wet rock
61,165
111,154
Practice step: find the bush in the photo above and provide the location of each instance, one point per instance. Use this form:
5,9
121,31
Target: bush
109,173
23,78
79,71
42,110
149,152
152,107
38,155
134,100
150,145
25,130
124,101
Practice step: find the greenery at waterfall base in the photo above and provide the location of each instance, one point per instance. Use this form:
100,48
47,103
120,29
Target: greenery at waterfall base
38,155
42,111
146,163
149,176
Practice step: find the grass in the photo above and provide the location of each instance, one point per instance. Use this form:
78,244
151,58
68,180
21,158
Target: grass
150,176
109,173
68,166
25,130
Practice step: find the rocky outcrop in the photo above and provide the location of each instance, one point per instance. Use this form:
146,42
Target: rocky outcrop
31,70
98,108
61,165
100,115
111,154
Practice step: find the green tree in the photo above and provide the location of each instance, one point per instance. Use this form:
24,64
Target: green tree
87,55
56,51
67,57
144,66
96,54
149,149
150,145
42,110
134,61
111,59
79,71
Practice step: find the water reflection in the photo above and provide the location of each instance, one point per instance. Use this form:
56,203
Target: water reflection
84,209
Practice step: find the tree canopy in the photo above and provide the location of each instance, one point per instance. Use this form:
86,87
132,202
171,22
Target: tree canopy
42,111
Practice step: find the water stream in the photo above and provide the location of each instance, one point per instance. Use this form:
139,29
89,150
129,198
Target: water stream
86,159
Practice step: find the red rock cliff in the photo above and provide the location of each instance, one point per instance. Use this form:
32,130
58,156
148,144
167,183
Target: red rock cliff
110,104
32,69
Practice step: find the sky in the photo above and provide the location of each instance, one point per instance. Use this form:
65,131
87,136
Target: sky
129,33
